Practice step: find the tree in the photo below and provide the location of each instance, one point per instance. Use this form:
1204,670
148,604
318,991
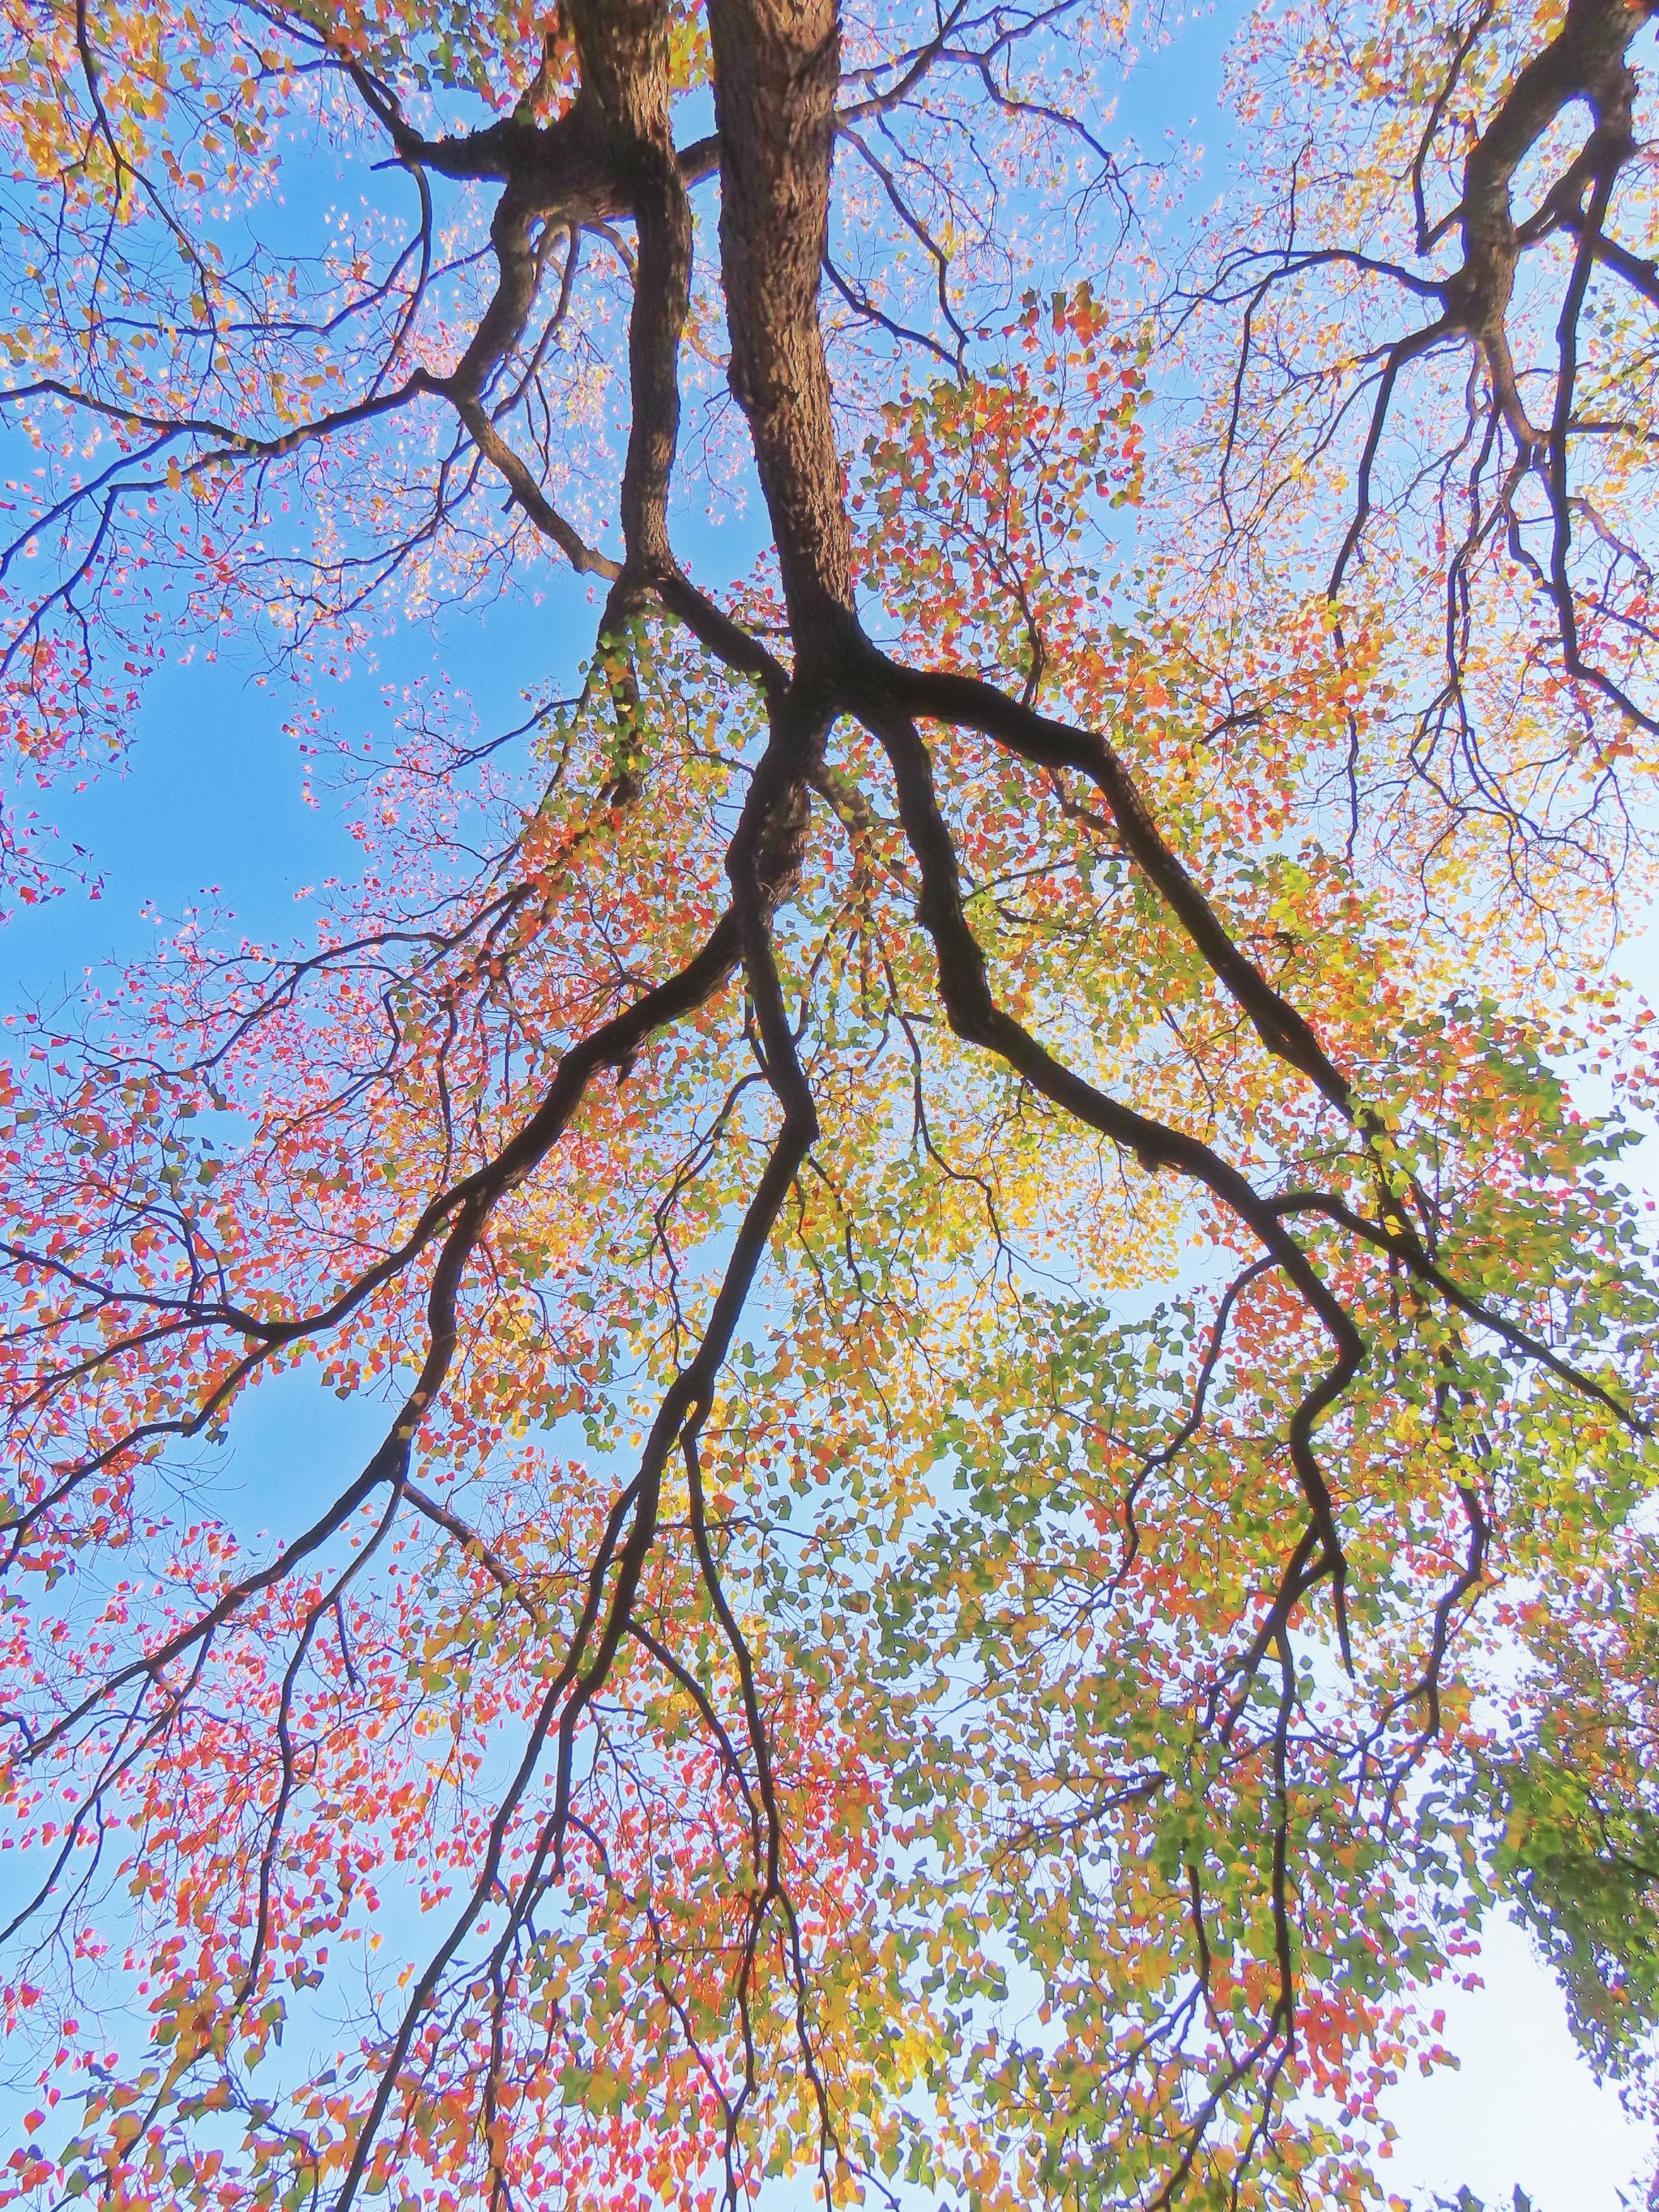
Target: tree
1015,1396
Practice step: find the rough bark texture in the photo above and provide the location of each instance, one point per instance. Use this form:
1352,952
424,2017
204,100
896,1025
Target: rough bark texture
1586,61
776,75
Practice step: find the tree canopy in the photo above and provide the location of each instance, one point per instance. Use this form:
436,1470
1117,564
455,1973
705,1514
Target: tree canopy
1014,1395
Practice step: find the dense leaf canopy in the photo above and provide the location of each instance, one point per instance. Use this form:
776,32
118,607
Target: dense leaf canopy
1013,1403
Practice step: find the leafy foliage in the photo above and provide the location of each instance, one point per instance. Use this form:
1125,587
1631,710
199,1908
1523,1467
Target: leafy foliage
1011,1407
